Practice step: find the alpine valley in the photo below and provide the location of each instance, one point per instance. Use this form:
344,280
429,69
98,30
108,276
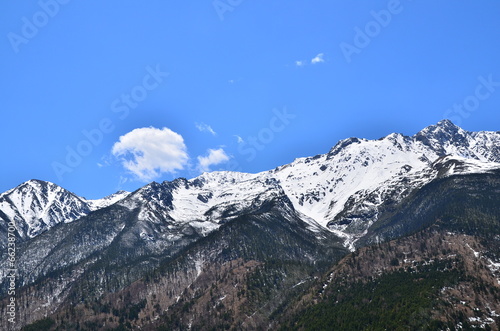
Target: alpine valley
397,233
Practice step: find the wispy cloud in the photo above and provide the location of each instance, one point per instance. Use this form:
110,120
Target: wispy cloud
202,127
149,152
239,139
318,59
214,157
105,161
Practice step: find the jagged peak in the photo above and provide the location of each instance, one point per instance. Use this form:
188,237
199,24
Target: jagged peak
395,136
442,130
438,135
38,183
342,144
446,123
34,184
443,126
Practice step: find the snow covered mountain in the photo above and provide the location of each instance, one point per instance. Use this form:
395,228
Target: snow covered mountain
333,190
312,210
205,202
320,186
357,175
340,190
36,206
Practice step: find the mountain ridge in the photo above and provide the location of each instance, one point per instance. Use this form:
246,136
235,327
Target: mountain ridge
352,167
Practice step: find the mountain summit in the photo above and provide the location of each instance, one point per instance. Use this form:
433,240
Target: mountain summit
36,206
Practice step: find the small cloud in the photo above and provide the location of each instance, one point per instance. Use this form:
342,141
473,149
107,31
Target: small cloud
105,161
214,157
202,127
149,152
234,81
239,139
318,59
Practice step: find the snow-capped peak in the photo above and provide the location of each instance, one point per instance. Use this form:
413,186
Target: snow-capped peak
321,186
36,205
444,125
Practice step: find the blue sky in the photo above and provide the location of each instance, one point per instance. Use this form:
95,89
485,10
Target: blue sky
98,96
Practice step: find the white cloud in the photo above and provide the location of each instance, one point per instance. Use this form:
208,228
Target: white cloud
215,156
150,152
202,127
239,139
318,59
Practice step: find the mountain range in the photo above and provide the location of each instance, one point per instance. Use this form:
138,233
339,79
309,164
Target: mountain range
267,250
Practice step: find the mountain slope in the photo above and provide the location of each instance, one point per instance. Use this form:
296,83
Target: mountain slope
320,186
271,232
440,269
429,281
366,208
431,262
